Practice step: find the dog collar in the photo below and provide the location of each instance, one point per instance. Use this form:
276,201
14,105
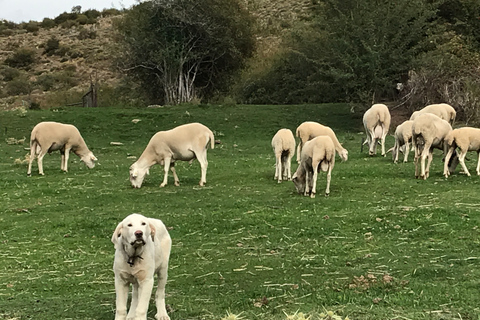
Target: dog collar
131,259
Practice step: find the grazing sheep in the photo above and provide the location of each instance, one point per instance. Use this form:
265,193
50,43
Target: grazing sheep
317,154
428,132
442,110
53,136
376,121
283,144
403,136
309,130
466,139
186,142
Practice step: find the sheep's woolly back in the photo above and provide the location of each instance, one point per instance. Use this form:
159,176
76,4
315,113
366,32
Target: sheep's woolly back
465,138
310,129
430,128
442,110
283,141
321,149
377,120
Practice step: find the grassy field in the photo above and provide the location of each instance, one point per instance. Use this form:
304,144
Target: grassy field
383,245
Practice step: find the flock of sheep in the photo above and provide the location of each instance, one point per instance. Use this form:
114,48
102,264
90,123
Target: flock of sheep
428,128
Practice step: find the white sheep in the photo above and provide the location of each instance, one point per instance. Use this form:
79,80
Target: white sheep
428,132
53,136
317,154
185,143
283,144
376,121
403,136
442,110
309,130
466,139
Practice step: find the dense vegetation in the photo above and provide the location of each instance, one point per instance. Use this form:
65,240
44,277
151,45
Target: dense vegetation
412,53
383,245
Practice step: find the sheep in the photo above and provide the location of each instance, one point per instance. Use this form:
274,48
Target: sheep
309,130
403,136
442,110
52,136
428,132
376,121
466,139
283,144
317,154
185,143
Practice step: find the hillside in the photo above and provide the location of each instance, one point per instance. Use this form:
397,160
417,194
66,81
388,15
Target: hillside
84,55
81,57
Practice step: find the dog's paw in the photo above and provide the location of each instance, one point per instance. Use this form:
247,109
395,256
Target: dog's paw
162,317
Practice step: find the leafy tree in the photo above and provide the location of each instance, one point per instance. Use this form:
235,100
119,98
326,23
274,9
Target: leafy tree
182,49
349,50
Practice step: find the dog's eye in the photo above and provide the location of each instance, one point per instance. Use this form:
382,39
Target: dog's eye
143,223
129,224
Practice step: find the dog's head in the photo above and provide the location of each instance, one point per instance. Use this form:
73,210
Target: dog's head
135,230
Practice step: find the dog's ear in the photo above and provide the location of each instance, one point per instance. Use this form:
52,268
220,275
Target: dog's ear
152,231
117,233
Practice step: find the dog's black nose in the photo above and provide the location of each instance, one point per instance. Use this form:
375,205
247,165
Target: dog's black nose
138,234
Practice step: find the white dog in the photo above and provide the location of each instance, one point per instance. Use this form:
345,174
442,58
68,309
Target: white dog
142,249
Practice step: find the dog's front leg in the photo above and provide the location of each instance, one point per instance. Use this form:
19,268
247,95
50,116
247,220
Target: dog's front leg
160,295
144,292
121,289
133,305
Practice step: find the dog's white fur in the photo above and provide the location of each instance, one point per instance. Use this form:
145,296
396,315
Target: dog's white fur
142,249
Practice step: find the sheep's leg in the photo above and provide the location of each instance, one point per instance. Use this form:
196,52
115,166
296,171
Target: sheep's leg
165,170
65,156
478,163
289,168
329,177
176,181
461,159
307,183
33,148
427,170
423,157
405,152
278,168
314,182
40,162
446,172
383,145
202,159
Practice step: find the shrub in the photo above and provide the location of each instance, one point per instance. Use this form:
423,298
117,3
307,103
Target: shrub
22,58
86,34
82,19
51,46
18,86
47,23
31,26
9,73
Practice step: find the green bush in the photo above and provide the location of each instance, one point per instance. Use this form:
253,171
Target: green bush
31,26
22,58
47,23
9,73
82,19
86,34
18,86
56,80
51,46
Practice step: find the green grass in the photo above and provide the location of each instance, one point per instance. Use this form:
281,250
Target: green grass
383,245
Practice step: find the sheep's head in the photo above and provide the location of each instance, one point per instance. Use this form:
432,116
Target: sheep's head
89,160
344,154
299,179
137,175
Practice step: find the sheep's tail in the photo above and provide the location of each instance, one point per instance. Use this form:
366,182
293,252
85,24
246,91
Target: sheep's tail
35,147
212,139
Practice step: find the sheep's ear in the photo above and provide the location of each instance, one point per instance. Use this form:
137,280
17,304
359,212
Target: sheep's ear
148,171
152,231
117,233
93,158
